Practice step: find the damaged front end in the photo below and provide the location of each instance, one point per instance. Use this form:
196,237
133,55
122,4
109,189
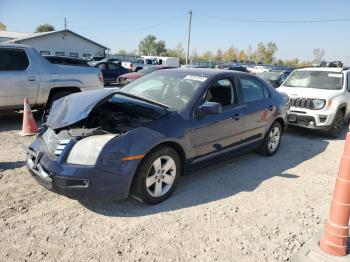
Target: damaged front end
69,155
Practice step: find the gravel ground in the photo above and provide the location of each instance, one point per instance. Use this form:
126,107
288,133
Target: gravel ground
249,208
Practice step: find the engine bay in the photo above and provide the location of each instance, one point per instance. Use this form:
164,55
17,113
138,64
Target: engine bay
112,118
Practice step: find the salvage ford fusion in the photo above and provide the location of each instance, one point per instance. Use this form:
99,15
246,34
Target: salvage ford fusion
140,139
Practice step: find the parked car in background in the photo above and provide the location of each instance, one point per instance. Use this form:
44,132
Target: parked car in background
111,71
161,60
107,59
25,73
319,98
64,60
141,139
238,68
274,78
129,77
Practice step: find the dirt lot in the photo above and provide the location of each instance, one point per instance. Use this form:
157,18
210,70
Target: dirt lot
249,208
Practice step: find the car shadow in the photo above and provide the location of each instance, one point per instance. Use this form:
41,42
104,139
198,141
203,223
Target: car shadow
224,179
11,165
10,121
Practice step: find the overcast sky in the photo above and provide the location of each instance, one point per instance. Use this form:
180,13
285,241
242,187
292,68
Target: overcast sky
122,24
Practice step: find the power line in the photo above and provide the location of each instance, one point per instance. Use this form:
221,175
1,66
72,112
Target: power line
147,27
243,20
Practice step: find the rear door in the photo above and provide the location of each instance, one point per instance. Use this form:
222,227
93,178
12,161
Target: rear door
18,78
217,132
258,107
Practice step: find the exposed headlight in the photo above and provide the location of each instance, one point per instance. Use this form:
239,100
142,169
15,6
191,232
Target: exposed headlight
87,150
318,104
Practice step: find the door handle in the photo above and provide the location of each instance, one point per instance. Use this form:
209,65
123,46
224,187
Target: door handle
236,116
31,78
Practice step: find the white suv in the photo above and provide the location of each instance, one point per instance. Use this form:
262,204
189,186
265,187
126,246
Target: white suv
319,98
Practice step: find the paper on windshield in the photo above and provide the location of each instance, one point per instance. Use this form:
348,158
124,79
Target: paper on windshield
196,78
335,75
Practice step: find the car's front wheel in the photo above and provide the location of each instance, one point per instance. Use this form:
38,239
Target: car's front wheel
272,140
337,126
157,176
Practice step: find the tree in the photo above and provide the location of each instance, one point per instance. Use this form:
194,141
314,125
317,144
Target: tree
2,27
122,52
219,56
150,46
230,54
318,55
242,56
265,53
44,28
178,51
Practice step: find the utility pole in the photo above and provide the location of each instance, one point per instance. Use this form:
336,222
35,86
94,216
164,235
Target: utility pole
189,38
65,23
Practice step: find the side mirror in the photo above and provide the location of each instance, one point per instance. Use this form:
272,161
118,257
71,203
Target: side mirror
210,108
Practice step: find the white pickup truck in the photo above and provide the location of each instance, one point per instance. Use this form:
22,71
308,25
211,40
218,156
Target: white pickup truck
25,73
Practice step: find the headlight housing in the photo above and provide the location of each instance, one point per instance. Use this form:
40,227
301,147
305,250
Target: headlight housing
318,104
86,151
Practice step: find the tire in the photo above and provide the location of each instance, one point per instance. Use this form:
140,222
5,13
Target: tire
337,125
272,140
161,184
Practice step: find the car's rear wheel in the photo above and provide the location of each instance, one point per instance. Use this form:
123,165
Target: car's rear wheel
272,140
157,175
337,126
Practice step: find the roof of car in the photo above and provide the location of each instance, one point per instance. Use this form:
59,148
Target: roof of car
324,69
208,72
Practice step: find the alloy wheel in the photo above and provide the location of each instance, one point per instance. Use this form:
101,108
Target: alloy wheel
161,176
274,139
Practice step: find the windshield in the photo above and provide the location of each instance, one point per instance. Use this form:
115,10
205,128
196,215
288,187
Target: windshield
147,70
171,88
315,79
269,75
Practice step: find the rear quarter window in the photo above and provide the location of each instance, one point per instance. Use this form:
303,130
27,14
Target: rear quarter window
13,60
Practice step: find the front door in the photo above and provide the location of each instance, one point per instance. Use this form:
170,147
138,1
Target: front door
18,78
215,132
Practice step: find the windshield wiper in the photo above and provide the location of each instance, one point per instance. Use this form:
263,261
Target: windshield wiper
144,99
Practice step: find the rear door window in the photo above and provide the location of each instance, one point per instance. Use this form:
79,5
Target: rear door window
13,60
253,90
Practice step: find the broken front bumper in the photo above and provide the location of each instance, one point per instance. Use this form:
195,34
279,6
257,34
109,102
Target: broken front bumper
76,181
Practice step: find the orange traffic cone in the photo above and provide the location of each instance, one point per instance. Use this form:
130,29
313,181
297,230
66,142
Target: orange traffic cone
29,126
336,231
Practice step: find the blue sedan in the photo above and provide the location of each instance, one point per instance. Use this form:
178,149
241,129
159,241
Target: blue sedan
139,140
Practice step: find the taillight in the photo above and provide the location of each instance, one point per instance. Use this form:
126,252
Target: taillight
100,77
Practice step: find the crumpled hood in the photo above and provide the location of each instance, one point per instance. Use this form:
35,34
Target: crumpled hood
73,108
293,92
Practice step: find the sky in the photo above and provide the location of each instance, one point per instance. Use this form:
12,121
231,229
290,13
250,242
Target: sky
122,24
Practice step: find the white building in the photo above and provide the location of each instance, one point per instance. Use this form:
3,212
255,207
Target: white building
60,43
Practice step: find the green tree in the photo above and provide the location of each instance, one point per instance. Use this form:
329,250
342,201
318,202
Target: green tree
150,46
265,53
44,28
2,27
